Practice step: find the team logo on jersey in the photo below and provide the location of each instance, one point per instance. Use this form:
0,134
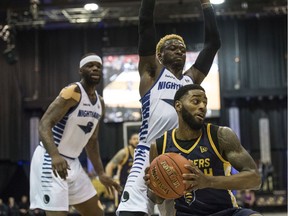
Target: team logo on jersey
203,149
125,196
46,199
190,197
87,128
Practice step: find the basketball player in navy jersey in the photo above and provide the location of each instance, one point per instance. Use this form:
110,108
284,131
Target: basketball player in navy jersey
122,161
161,75
70,124
212,150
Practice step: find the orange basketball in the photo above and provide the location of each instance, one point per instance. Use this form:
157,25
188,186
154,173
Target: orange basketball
166,175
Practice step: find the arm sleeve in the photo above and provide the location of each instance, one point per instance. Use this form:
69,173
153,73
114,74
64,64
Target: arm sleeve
146,28
211,44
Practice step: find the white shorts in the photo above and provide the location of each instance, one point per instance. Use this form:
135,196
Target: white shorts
167,208
134,197
52,193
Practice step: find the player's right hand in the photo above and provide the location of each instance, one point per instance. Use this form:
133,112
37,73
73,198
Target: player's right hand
60,167
109,183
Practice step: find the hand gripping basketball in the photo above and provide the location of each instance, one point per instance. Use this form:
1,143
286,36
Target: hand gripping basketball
166,175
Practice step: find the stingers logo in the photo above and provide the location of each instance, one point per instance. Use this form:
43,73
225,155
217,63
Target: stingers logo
203,149
190,197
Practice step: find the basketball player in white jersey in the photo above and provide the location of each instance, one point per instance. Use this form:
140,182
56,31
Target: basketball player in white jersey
161,75
70,124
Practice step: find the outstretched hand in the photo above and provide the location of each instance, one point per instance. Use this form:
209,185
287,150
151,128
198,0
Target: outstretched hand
196,179
109,183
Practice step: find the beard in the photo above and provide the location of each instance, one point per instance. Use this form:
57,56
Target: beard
89,80
190,120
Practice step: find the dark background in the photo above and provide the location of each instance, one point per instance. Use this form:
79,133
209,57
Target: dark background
47,58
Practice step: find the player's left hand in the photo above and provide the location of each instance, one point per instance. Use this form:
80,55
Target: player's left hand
147,176
150,193
109,183
196,179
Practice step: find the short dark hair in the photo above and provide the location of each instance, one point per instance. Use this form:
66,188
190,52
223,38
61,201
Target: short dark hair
184,89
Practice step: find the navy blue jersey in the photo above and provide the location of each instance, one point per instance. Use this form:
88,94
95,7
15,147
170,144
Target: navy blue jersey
204,153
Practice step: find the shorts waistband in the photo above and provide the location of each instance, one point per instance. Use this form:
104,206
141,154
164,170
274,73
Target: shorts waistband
41,144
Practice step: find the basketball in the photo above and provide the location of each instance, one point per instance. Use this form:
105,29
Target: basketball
166,175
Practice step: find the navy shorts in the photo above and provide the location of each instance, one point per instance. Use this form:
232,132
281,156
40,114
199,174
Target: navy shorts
235,212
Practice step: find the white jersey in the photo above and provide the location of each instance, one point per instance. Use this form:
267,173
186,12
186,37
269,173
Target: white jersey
73,131
158,112
70,134
158,116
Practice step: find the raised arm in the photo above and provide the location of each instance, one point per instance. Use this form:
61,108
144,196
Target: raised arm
148,66
212,44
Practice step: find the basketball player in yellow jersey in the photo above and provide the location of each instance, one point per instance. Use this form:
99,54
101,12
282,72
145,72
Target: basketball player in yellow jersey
70,124
212,150
122,161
